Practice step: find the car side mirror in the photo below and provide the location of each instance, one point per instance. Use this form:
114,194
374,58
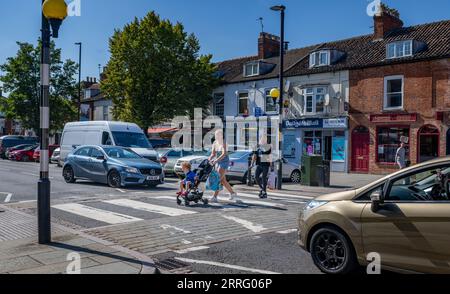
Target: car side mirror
377,200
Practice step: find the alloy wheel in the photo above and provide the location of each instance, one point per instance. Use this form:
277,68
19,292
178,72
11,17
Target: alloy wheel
330,251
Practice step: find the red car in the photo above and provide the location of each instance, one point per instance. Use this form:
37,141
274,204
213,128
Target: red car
37,152
23,155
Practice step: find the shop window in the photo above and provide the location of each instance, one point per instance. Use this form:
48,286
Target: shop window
312,143
389,142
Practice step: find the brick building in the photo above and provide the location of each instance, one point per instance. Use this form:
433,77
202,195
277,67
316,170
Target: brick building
400,88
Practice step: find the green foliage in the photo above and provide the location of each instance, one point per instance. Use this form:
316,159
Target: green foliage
21,79
155,72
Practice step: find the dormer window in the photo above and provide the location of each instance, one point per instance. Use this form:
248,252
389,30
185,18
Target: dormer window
319,58
251,69
400,49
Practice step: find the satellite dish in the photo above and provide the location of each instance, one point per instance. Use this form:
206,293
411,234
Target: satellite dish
287,86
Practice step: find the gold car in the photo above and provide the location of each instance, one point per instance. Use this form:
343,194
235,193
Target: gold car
404,218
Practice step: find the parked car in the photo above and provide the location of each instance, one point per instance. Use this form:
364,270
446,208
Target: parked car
24,155
11,141
195,160
15,148
404,218
55,157
112,165
169,158
106,133
37,152
238,169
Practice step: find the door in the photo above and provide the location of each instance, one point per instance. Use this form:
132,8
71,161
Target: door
81,162
360,150
98,168
411,230
428,143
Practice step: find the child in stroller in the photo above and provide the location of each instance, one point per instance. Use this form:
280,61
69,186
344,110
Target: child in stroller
189,187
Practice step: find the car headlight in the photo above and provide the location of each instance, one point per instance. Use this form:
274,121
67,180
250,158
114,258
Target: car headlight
132,170
313,204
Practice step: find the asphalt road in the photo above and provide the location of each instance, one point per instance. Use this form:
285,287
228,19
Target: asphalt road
251,236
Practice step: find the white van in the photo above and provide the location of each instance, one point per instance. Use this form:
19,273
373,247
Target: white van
106,133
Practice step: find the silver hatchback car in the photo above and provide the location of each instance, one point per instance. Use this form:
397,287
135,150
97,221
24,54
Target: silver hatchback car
238,169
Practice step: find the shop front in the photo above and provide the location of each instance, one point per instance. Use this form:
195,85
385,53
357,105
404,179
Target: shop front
374,143
327,137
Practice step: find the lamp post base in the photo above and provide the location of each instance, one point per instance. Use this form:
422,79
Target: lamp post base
44,224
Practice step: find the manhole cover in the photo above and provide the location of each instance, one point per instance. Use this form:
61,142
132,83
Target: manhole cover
170,264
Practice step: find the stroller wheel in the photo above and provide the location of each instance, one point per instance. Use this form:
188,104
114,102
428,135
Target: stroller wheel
187,203
178,201
205,201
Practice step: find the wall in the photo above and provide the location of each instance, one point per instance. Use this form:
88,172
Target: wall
98,110
426,91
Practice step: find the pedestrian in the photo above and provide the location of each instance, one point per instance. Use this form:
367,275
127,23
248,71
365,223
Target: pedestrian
219,156
263,159
400,156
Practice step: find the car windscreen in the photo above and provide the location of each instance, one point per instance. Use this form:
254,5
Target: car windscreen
131,140
120,153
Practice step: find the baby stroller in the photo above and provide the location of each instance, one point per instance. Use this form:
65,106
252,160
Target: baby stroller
195,194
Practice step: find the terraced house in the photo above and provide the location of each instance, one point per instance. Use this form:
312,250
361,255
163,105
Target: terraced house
351,100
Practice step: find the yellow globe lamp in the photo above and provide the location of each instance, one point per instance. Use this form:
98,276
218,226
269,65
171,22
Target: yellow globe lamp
55,11
275,93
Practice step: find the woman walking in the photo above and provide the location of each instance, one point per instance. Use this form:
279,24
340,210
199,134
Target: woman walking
219,156
262,158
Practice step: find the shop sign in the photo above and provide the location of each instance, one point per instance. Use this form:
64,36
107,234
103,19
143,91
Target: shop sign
387,118
335,123
312,123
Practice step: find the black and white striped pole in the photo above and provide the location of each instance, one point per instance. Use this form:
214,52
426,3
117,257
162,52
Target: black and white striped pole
53,13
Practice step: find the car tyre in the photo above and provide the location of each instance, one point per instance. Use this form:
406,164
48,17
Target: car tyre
69,175
296,177
114,179
25,158
332,252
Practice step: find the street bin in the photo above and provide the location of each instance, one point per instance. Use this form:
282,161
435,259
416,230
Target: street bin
310,165
323,174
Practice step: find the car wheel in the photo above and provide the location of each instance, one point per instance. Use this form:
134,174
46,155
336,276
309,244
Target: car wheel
296,177
25,158
331,252
245,178
114,180
69,175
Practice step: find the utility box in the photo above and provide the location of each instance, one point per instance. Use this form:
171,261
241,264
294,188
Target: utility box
310,167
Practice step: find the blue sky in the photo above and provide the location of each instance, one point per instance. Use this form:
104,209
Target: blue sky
225,28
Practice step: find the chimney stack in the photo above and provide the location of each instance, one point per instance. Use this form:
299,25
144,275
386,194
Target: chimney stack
386,20
268,46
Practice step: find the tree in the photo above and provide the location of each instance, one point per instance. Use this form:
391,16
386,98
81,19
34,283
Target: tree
155,72
21,79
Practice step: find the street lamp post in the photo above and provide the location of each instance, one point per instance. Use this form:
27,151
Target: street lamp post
79,81
280,93
53,13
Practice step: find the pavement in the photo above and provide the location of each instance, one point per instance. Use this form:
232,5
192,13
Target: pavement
138,230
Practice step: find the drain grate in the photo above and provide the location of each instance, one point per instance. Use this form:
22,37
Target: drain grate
170,264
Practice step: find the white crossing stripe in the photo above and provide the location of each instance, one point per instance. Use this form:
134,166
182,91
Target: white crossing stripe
287,231
255,228
138,205
261,203
218,264
96,214
8,196
270,194
192,249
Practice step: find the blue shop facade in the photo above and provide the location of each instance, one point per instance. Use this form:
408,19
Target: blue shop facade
327,137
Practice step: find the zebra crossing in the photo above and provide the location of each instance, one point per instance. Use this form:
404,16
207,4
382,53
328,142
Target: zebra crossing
134,207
